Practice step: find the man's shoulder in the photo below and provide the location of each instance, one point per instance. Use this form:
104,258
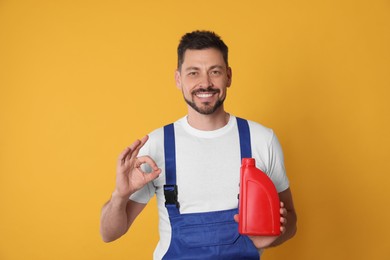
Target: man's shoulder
158,133
258,128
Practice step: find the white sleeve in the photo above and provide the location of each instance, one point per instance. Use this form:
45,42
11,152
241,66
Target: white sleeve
144,195
276,170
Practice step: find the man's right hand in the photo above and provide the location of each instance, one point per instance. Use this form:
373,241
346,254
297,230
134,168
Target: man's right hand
129,175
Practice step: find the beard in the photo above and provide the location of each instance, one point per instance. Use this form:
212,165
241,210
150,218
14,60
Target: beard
206,108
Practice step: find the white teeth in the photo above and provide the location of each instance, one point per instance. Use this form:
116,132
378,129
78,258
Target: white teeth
204,95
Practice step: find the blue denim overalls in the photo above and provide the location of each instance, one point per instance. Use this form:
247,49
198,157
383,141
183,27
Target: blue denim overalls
211,235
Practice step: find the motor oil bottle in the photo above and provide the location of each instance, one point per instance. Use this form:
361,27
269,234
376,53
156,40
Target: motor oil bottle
259,206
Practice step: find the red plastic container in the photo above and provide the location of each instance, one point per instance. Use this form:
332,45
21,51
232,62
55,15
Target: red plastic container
259,205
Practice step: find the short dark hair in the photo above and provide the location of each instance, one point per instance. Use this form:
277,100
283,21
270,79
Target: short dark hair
199,40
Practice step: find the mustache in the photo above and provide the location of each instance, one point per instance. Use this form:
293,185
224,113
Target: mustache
208,89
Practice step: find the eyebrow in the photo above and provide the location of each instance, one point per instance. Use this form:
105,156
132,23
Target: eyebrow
192,68
217,67
211,68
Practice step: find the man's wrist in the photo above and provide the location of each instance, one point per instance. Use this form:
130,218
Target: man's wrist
118,199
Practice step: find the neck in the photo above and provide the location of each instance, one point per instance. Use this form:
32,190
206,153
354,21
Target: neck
211,122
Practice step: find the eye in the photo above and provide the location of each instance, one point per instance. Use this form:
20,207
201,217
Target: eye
215,72
192,73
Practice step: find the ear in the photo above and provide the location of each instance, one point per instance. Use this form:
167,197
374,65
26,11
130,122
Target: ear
229,76
178,79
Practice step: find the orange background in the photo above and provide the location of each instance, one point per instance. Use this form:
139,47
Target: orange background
80,80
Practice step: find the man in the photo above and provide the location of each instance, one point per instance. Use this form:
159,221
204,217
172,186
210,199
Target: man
193,167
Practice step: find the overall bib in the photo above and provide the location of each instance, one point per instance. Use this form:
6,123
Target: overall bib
211,235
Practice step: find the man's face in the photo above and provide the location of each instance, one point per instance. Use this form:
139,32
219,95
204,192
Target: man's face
204,78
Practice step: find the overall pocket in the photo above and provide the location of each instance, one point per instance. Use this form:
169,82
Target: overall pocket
210,234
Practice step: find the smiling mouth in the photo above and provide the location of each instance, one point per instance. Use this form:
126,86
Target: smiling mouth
204,95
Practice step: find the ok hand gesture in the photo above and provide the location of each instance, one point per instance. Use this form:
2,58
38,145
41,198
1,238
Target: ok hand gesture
129,175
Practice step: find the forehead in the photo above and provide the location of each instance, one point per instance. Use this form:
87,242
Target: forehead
205,57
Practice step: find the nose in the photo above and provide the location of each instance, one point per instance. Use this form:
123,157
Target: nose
205,81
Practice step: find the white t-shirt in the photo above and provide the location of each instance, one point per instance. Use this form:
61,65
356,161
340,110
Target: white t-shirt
208,169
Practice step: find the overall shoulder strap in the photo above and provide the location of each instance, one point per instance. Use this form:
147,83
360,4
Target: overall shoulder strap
170,154
245,138
170,187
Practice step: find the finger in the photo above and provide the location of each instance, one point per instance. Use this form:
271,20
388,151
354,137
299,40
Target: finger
147,159
152,175
123,154
283,212
144,139
283,221
282,229
139,146
149,176
236,218
132,147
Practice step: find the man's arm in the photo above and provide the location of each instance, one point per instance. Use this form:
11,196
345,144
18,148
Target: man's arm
119,212
117,216
288,220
